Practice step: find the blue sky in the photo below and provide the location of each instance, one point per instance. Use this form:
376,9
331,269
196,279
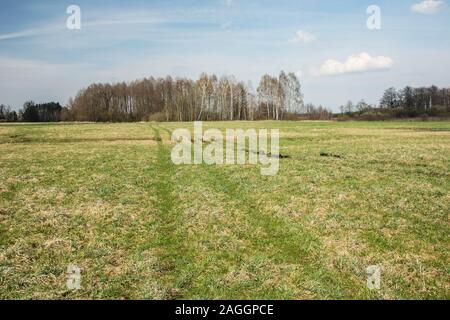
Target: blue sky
40,59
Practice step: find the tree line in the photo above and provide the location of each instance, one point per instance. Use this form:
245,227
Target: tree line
210,98
408,102
181,99
7,115
417,101
32,112
44,112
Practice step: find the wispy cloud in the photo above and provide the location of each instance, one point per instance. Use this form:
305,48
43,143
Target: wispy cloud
356,63
129,19
303,37
30,33
428,7
228,3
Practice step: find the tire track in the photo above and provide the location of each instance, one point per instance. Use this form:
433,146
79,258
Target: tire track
282,243
170,242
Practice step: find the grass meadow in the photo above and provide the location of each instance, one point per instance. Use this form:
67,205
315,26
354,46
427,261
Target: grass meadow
107,198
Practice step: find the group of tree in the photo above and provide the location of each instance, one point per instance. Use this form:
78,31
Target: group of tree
417,101
362,107
182,99
313,112
44,112
7,115
210,98
405,103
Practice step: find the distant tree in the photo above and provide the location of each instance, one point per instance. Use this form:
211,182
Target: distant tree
317,113
293,97
270,94
225,98
46,112
3,111
12,116
349,107
407,98
30,112
6,115
390,99
362,107
49,112
251,101
411,102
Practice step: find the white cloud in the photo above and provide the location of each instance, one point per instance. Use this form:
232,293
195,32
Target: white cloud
428,7
228,3
362,62
303,37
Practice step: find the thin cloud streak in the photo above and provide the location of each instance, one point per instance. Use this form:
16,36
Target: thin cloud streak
90,24
30,33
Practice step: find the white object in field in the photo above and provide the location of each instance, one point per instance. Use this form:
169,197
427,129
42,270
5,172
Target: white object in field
373,277
73,277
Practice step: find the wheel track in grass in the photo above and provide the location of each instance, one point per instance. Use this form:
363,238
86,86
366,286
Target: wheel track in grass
170,243
288,244
282,243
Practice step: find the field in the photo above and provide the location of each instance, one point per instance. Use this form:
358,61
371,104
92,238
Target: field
107,198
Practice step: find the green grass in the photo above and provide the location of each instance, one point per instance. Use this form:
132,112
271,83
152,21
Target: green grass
107,198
